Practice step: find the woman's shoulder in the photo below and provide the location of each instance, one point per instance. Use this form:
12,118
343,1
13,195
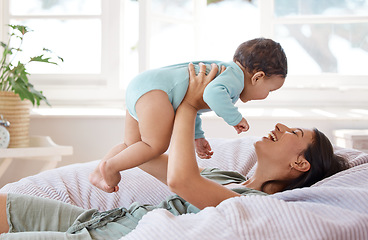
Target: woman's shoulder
231,178
248,191
216,173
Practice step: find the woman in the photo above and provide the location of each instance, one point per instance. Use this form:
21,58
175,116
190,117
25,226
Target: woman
287,158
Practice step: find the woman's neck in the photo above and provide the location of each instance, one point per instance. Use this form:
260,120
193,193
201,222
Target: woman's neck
270,188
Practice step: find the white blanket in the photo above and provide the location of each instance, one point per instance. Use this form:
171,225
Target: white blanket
334,208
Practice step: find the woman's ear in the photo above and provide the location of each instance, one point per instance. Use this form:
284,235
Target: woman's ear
301,164
257,77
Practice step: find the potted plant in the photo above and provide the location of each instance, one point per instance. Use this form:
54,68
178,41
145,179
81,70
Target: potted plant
17,94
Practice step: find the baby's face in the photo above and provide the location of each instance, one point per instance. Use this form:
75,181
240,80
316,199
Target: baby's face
260,88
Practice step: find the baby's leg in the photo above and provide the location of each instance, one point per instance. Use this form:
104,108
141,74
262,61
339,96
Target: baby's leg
131,136
96,178
156,117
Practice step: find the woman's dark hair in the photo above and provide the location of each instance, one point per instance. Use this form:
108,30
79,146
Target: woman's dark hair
323,163
262,54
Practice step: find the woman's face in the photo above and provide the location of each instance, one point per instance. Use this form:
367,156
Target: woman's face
283,146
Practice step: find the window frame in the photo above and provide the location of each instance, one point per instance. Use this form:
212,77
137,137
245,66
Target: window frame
106,89
82,89
325,89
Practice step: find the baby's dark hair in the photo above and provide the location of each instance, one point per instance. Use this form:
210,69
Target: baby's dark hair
262,54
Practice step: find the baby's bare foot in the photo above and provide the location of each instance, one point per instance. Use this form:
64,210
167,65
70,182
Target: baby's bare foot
97,180
110,175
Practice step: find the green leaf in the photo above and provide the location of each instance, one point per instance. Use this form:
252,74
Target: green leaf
49,51
21,82
7,50
26,90
38,95
15,49
20,71
22,29
41,58
20,37
3,44
22,91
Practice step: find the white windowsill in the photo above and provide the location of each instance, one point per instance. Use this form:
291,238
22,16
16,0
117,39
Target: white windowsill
305,113
67,112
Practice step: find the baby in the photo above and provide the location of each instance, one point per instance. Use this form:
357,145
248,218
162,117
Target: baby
259,66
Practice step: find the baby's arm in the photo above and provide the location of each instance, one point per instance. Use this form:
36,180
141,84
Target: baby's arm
199,133
203,148
243,126
221,95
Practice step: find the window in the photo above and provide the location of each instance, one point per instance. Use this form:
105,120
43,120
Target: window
327,48
326,36
189,30
106,43
70,28
334,41
85,33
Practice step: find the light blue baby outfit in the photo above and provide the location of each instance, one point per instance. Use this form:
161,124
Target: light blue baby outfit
39,218
220,95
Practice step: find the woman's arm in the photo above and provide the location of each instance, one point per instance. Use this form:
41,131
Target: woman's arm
183,173
157,167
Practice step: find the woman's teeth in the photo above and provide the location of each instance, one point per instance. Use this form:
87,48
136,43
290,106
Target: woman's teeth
272,136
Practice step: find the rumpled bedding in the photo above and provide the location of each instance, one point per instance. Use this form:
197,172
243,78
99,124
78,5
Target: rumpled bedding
334,208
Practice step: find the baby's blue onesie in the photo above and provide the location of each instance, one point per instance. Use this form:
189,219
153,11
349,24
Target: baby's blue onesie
220,95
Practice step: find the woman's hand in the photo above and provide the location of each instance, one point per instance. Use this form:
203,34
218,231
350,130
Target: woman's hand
197,84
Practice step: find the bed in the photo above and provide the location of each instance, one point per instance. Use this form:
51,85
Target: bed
334,208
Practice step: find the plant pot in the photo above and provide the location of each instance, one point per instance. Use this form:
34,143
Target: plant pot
17,112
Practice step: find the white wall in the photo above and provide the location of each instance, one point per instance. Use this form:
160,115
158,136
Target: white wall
92,136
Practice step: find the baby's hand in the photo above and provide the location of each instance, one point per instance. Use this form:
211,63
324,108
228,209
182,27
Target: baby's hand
203,148
243,126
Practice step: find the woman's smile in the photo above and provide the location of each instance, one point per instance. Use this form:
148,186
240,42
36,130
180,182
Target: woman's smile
272,136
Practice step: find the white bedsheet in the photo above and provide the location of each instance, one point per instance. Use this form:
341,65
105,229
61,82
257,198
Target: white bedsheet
334,208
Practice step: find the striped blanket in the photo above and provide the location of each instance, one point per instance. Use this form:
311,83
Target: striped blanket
334,208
